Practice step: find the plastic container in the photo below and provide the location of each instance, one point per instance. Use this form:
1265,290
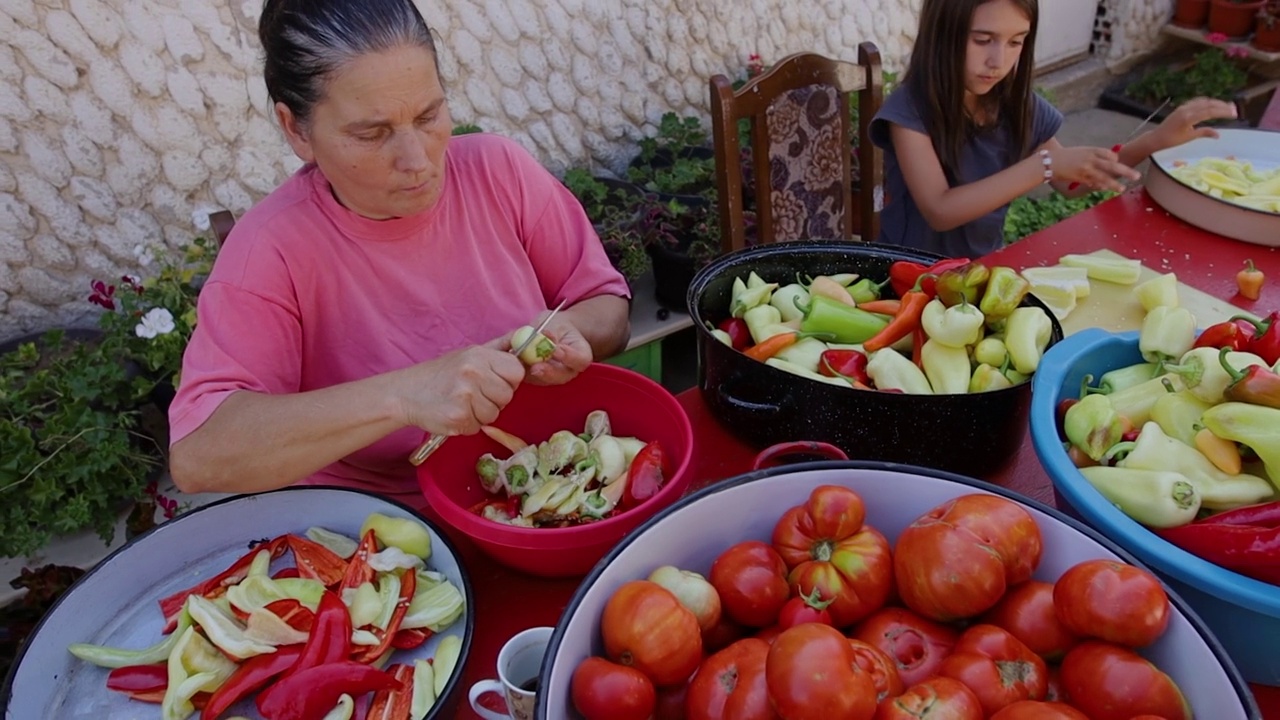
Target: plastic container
1244,613
894,496
637,406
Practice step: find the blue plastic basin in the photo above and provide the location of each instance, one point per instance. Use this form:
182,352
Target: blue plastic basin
1244,613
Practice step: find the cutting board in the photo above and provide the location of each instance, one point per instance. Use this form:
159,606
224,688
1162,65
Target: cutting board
1114,307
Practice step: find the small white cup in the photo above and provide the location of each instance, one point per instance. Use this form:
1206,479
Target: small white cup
519,662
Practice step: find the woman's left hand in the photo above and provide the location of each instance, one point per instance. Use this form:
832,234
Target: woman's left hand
572,355
1182,124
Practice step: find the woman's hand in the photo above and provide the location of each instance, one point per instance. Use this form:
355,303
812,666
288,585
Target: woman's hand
572,356
456,393
1092,167
1181,125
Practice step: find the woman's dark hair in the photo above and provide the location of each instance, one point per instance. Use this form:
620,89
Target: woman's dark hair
935,77
306,41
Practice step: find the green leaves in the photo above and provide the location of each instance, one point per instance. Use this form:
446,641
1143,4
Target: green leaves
1028,215
1211,74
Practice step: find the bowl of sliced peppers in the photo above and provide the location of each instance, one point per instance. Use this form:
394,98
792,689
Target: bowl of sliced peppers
564,472
1167,440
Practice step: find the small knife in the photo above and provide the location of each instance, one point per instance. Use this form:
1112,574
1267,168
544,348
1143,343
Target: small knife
433,443
1116,148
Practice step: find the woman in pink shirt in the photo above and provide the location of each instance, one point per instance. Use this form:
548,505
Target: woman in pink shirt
372,296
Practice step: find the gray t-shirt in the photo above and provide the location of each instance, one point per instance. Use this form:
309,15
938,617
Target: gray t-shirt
989,152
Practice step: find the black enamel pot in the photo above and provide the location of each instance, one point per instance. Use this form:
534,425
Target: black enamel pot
971,434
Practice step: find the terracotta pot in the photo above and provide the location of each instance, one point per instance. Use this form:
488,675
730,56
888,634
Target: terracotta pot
1267,39
1191,13
1233,19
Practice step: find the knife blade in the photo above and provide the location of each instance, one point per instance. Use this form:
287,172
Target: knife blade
433,443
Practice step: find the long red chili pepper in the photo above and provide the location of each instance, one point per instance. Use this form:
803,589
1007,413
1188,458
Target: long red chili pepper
1232,334
330,638
1255,384
848,364
145,683
1247,549
1265,515
1266,340
369,653
313,692
902,324
171,606
252,674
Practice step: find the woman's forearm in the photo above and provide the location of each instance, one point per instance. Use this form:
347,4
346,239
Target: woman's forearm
604,321
255,442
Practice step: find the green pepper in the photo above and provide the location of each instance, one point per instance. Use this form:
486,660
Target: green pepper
786,299
1093,425
752,297
845,323
957,326
963,285
988,377
1178,415
1126,377
1005,290
1026,336
946,367
1155,498
1154,450
866,290
1202,370
109,657
1256,426
1135,402
991,351
890,370
1167,334
759,320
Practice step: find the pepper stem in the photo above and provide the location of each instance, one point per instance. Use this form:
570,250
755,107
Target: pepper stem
1119,449
1259,326
1236,375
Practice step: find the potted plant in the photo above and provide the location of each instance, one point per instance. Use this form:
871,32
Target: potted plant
1191,13
1233,18
1210,73
681,239
1266,34
677,160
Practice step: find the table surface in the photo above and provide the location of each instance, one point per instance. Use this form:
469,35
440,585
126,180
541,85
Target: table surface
1131,224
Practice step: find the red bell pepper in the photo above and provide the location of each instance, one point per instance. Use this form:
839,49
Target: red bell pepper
1266,339
410,639
358,570
646,475
213,587
848,364
289,572
252,674
145,683
904,274
1231,334
330,638
312,693
317,562
369,653
739,334
394,704
298,616
1255,384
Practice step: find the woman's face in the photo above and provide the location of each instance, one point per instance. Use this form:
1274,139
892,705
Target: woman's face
379,133
996,35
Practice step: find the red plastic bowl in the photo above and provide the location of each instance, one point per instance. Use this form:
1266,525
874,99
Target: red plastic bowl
637,406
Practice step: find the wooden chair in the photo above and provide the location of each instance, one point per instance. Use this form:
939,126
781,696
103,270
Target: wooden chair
800,152
1259,106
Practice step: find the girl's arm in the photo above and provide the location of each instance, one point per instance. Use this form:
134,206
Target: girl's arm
945,207
1178,128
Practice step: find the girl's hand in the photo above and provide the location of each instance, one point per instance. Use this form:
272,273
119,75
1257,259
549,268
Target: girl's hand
1092,167
1181,125
458,392
572,356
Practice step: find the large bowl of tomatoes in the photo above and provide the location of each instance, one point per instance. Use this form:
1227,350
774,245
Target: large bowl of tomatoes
867,590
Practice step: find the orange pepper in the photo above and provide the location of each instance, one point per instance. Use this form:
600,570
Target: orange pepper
1249,280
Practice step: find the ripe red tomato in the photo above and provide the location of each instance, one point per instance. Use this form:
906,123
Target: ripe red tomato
882,669
730,685
722,635
602,690
812,675
916,645
645,626
1038,710
1110,682
1027,612
751,580
997,667
1112,601
671,703
804,608
829,550
939,698
957,560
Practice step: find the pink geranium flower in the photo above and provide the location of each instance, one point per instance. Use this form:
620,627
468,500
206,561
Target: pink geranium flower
1216,37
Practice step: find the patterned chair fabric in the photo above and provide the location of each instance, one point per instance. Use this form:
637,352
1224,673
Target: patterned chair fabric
805,164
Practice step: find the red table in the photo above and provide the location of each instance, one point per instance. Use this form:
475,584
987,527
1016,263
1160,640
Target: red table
1132,225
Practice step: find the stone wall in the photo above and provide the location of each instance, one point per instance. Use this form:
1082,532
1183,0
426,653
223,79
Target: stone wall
124,122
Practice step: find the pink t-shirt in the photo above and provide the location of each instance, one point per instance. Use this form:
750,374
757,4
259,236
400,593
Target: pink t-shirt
307,294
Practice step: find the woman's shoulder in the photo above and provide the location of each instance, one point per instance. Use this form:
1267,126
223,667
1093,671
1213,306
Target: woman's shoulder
488,149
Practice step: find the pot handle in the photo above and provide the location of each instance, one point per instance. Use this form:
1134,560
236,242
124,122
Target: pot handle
798,447
740,404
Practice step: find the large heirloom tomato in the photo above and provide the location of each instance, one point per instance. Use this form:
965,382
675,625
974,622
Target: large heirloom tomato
812,676
916,645
828,549
997,667
1112,601
1028,613
1110,682
882,669
1039,710
939,698
602,690
957,560
730,685
751,579
645,626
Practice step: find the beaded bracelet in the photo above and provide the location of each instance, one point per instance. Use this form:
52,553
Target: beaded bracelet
1047,160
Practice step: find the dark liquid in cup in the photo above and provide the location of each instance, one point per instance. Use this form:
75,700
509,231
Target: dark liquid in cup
530,685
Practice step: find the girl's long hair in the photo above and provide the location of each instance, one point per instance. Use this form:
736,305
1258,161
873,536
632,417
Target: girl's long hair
935,77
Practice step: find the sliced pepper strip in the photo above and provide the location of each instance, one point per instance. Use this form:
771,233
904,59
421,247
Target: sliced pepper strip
316,561
145,683
313,692
394,704
248,678
408,586
358,570
330,639
171,606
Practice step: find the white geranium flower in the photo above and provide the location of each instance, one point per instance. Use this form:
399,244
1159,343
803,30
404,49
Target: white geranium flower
157,321
143,254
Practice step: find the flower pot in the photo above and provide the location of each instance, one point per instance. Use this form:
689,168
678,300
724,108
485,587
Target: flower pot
1233,19
1267,37
1191,13
673,272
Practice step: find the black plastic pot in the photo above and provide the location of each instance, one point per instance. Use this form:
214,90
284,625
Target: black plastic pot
673,272
972,434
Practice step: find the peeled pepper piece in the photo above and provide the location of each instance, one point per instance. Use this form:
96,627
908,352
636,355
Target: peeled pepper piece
957,326
1155,498
1167,334
890,370
963,284
1122,271
946,367
1005,291
1178,414
1093,425
1026,336
1205,372
1161,290
1256,426
987,378
1154,450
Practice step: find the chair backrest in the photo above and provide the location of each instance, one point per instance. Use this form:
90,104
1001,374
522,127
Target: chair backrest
221,222
1259,106
800,152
